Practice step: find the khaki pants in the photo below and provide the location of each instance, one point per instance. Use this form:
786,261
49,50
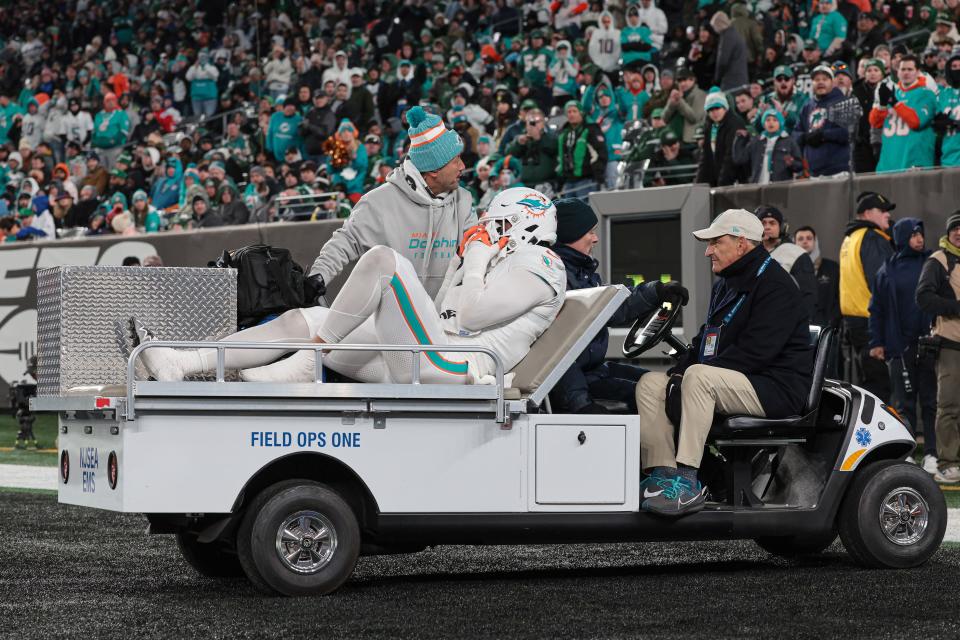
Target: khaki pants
706,390
948,405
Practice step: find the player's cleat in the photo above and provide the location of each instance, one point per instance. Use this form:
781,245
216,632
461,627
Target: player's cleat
930,464
162,363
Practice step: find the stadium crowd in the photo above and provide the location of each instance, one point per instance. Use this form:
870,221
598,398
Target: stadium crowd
125,116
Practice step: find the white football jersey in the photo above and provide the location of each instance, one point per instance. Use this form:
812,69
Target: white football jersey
510,340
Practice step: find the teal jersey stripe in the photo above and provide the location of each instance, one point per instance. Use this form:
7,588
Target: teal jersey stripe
416,327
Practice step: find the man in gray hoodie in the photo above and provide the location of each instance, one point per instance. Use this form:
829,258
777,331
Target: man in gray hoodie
421,211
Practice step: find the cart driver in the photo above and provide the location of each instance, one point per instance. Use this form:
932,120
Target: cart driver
503,294
752,356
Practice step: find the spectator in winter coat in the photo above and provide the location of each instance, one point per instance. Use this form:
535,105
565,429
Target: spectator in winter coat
938,294
31,127
750,31
202,77
232,208
77,124
278,73
828,29
605,116
948,120
604,46
896,324
564,70
632,96
731,66
791,257
905,113
360,103
319,124
717,167
166,191
772,156
352,174
97,176
636,41
865,152
536,149
111,129
687,100
282,132
591,377
866,246
656,20
828,279
825,144
581,153
340,71
785,97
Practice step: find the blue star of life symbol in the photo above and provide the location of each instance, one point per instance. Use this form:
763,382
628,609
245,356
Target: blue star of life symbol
863,437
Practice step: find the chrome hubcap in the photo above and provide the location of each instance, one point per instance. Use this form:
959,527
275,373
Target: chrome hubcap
904,515
306,542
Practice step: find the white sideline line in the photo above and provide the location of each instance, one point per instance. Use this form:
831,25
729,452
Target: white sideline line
21,476
953,526
31,477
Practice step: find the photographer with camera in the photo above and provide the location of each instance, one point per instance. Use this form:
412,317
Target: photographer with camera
20,393
938,294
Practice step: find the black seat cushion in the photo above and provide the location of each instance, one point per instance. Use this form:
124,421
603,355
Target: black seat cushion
755,427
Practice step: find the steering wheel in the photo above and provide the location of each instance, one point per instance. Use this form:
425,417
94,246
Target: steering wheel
653,328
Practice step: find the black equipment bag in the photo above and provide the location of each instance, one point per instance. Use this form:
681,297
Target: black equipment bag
269,281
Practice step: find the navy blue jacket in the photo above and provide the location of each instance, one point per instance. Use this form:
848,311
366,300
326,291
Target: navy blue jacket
767,340
833,155
591,364
895,319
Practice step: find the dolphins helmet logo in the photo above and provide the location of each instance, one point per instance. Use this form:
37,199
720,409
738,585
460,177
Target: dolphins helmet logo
536,205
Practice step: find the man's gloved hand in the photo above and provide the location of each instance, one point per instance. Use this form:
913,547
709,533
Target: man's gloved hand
592,407
942,123
814,138
673,292
886,96
314,288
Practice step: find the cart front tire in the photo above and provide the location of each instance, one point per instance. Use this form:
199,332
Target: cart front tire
894,516
303,539
208,559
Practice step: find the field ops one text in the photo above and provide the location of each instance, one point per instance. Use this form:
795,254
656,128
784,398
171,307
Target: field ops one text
306,439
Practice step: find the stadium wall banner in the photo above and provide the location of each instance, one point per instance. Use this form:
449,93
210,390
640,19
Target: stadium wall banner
827,204
20,261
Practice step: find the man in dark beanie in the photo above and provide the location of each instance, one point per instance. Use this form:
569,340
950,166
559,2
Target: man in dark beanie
591,377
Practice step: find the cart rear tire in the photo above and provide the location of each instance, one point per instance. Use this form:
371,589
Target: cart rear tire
796,546
301,539
894,516
210,559
244,551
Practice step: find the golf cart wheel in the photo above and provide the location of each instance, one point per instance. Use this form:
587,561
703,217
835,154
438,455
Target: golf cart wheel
894,516
796,546
210,559
299,538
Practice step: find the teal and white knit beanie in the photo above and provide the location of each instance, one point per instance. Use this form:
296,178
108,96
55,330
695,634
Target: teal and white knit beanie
432,145
716,98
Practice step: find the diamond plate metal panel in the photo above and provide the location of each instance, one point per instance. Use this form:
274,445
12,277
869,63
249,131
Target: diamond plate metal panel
84,314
